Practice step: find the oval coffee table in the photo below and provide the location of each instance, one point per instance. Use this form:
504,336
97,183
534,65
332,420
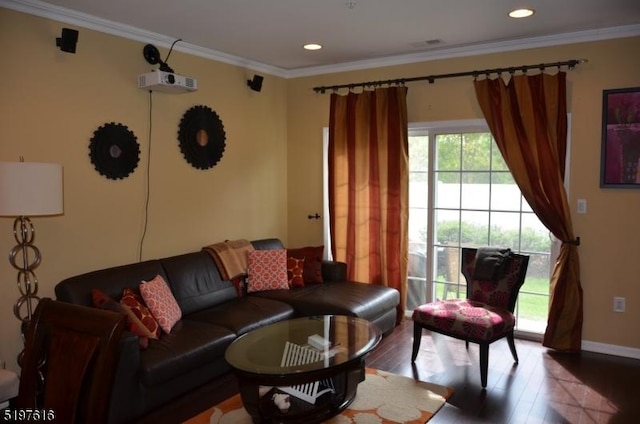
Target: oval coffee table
321,381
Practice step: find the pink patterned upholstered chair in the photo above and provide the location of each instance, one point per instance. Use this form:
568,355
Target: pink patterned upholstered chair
494,277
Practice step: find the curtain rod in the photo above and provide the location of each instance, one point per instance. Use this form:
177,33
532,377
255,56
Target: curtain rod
432,78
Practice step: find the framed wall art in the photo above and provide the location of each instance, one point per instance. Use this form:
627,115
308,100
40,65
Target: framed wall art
619,167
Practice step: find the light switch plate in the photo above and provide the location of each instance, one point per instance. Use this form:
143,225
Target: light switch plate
582,206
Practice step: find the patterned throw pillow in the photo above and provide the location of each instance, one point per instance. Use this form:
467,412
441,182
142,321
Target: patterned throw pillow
267,270
160,301
295,269
312,262
102,301
137,311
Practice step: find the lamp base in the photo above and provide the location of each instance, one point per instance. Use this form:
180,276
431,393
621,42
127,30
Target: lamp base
24,234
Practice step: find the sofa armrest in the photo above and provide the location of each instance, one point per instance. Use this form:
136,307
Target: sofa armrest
334,271
125,396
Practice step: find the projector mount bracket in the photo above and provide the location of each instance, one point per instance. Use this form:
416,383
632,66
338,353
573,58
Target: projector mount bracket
152,56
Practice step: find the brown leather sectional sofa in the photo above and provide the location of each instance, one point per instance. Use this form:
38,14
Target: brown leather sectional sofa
213,315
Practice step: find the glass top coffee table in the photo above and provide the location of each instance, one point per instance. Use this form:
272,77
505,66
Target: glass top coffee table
315,362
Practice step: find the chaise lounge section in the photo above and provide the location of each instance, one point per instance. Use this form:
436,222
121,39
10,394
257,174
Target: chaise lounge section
213,315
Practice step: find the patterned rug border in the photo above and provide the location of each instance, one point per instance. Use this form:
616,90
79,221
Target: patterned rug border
391,405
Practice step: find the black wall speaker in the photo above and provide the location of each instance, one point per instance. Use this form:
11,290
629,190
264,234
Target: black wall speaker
67,42
255,83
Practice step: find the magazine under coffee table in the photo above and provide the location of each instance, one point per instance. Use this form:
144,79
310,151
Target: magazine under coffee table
321,380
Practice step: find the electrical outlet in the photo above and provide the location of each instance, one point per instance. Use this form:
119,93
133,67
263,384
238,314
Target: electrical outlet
619,304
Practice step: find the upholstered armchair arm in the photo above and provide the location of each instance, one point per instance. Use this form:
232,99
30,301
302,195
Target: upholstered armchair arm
126,383
334,271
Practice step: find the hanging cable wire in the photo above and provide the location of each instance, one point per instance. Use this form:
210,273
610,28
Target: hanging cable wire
432,78
148,184
166,60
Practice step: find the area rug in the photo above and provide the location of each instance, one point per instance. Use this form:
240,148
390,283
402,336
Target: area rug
382,398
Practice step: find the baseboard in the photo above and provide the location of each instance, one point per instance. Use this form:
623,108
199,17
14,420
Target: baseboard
608,349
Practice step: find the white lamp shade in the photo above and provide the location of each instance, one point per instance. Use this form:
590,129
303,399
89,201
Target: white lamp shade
30,189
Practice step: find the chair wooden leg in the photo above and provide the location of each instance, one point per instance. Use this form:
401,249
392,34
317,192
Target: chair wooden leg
466,344
417,335
512,346
484,363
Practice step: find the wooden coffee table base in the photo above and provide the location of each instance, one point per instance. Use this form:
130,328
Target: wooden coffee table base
262,409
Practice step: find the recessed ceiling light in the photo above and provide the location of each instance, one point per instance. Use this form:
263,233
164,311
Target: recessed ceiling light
312,46
521,13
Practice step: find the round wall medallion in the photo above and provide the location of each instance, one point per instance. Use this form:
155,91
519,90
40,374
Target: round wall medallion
114,151
202,137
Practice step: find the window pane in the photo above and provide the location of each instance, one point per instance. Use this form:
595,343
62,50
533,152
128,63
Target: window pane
505,197
418,153
476,195
476,151
532,312
447,226
497,162
418,226
418,176
447,194
535,236
537,274
505,230
418,194
448,152
474,228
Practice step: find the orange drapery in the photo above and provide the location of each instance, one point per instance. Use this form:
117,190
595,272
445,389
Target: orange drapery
368,186
528,119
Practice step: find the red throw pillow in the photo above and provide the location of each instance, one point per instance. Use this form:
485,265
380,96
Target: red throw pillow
160,301
267,270
295,269
312,262
134,306
102,301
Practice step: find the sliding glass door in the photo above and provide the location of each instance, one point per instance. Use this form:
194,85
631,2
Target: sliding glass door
462,194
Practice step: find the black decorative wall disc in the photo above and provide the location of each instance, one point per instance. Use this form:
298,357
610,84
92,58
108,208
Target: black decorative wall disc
114,151
202,137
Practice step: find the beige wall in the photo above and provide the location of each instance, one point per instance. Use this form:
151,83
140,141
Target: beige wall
610,231
51,103
270,177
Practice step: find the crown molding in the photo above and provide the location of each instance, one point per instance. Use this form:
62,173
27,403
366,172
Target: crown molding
474,50
57,13
72,17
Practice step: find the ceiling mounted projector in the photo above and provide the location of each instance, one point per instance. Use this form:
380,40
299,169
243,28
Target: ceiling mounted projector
167,82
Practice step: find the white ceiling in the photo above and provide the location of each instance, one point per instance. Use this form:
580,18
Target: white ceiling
269,34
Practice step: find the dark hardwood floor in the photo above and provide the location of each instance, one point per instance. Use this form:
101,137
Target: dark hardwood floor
545,387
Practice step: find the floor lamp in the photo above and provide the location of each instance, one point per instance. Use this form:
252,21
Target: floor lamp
28,189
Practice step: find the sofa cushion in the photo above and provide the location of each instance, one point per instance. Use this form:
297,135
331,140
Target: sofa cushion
102,301
312,256
245,313
366,301
111,281
195,282
267,270
160,301
267,244
189,346
135,308
295,269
